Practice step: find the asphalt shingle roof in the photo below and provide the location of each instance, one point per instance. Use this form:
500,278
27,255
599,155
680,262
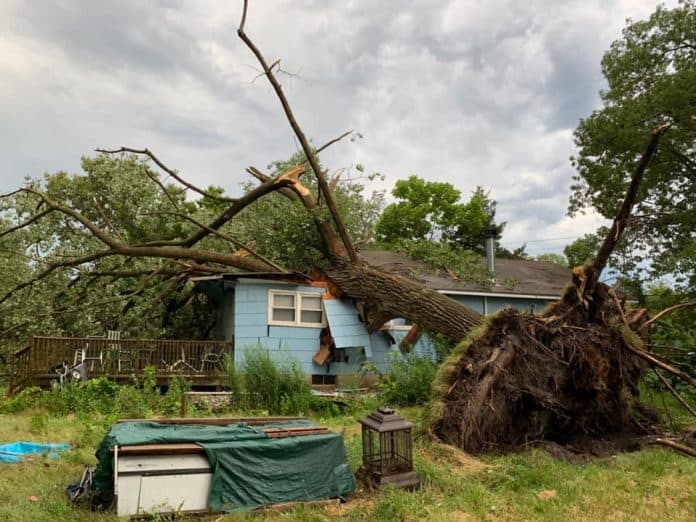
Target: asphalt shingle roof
530,277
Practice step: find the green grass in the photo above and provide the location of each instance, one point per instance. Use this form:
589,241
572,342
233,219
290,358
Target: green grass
653,484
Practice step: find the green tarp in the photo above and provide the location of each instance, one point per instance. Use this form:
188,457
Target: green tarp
249,469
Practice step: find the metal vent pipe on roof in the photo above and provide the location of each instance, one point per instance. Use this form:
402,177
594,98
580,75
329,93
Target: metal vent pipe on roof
491,234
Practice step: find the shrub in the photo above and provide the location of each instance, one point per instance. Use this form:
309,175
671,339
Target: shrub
264,384
171,402
26,398
409,380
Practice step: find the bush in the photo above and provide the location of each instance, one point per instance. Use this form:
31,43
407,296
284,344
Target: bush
409,381
264,384
139,399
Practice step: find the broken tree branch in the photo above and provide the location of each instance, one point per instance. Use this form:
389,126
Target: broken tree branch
683,448
170,252
674,392
234,242
288,193
666,367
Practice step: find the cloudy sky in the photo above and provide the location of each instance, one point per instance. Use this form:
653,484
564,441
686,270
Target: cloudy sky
469,92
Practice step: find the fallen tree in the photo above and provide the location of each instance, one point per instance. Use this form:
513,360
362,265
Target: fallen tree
516,378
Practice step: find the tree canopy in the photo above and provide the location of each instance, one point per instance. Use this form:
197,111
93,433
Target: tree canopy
124,195
97,290
651,76
432,210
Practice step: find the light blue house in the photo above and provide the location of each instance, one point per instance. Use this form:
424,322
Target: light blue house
295,318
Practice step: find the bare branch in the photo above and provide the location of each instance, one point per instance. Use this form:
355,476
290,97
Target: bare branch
335,140
666,311
105,218
10,194
169,171
166,192
236,243
28,222
311,157
675,393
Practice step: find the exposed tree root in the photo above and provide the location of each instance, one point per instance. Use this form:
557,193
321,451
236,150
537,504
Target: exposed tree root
567,374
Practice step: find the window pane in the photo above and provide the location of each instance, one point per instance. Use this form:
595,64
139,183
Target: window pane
285,315
310,316
311,303
287,300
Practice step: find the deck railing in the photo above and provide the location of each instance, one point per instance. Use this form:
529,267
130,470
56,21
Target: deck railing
19,370
121,357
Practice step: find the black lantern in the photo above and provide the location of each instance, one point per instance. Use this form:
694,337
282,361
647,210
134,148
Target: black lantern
387,450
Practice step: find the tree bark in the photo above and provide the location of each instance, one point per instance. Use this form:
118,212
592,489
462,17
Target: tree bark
385,296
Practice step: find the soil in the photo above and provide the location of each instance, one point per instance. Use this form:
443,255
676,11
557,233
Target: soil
564,378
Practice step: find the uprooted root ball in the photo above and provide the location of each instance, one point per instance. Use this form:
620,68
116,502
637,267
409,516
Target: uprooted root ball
560,376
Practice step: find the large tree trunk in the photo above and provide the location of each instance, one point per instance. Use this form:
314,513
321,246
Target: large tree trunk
384,296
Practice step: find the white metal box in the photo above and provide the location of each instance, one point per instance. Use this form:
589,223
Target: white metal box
162,483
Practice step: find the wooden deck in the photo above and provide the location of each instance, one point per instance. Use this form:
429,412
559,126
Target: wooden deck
200,362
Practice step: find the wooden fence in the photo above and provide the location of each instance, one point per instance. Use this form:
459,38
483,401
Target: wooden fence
200,361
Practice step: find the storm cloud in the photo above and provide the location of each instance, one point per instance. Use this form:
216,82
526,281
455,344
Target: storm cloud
474,93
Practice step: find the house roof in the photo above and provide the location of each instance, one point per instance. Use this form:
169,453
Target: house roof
516,277
513,277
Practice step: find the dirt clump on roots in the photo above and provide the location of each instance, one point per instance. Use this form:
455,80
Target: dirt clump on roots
565,377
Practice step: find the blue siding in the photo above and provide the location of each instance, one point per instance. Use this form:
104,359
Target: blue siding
475,302
523,305
246,313
347,329
284,343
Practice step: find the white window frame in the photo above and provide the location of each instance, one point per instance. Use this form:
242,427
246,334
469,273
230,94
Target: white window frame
298,309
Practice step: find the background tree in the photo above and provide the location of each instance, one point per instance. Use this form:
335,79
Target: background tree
651,76
430,223
582,250
431,210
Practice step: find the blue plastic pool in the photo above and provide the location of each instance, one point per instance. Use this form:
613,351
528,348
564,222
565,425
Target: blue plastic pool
14,451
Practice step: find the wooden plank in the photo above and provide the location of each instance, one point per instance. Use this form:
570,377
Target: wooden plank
284,434
160,449
216,421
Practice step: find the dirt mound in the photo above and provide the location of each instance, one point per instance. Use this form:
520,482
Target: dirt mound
562,376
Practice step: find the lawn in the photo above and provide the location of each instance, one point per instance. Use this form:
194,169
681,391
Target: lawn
652,484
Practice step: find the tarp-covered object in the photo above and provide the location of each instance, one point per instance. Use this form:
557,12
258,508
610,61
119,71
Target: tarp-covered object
249,469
